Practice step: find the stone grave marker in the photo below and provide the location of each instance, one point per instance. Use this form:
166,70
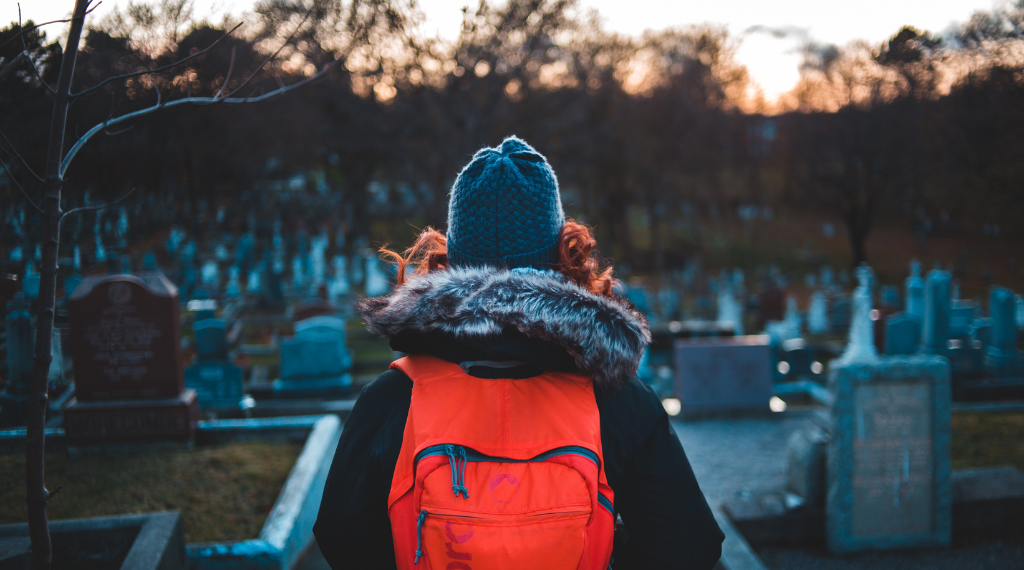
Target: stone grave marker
30,283
817,314
961,319
211,339
902,334
723,375
935,328
315,361
889,458
218,384
1002,359
126,350
20,342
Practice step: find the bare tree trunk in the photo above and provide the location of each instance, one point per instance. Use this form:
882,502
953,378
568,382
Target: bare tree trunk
36,493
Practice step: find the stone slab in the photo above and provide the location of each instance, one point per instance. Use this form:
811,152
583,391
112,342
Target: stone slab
125,338
167,419
889,462
218,384
723,375
332,386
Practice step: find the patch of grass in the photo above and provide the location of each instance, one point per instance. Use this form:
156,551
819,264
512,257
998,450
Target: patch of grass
224,492
987,439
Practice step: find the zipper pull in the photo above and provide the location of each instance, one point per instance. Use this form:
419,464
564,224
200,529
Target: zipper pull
462,486
453,464
419,536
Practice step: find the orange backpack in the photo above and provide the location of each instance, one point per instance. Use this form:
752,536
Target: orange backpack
500,474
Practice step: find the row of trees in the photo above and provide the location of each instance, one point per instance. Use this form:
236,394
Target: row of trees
645,133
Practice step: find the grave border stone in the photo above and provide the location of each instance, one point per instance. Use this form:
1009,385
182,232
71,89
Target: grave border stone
933,371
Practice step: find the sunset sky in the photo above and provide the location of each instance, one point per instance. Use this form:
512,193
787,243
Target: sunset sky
772,61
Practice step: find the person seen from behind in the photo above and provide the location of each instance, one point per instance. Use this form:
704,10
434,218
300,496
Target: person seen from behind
515,433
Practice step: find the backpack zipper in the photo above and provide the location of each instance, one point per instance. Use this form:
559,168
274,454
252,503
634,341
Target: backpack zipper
455,453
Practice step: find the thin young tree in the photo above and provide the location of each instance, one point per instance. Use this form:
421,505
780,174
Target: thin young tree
356,23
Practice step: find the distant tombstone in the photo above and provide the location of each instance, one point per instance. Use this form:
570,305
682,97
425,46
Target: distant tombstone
861,344
902,334
221,253
100,253
935,328
961,319
982,332
30,283
889,458
149,262
723,375
793,319
914,292
817,314
339,285
20,335
211,339
126,350
729,309
299,280
376,282
76,259
210,275
233,289
1001,356
217,384
126,264
71,283
315,361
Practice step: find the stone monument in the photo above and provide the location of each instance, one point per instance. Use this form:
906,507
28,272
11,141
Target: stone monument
314,363
1002,359
217,381
20,343
861,344
817,314
889,455
126,351
723,375
935,329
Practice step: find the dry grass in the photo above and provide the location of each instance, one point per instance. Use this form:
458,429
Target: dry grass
988,440
224,492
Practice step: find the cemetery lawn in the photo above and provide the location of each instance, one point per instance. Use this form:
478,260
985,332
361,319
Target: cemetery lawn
987,439
224,492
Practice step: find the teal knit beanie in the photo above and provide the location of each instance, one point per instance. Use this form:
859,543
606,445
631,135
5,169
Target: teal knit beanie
505,210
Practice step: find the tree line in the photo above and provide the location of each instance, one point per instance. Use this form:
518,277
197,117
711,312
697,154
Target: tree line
649,135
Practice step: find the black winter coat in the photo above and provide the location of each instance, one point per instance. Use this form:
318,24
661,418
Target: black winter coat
664,520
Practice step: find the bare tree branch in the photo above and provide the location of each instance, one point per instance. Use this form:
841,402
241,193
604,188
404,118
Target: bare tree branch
188,101
97,207
157,69
37,26
10,66
231,67
18,186
31,63
14,152
273,55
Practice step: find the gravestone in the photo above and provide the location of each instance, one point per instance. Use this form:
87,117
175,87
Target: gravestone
889,458
1002,358
723,375
817,314
914,294
233,290
211,339
935,328
314,363
30,283
861,344
14,399
902,334
961,319
126,350
890,297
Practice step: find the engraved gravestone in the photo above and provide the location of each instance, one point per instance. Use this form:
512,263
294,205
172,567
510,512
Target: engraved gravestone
211,339
902,334
127,362
937,306
315,361
723,375
125,338
889,457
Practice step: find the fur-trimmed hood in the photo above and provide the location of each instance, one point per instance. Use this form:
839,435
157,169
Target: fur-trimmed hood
605,335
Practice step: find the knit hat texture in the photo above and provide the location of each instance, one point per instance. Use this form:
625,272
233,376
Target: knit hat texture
505,210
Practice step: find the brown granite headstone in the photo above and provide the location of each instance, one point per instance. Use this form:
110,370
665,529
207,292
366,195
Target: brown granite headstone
126,351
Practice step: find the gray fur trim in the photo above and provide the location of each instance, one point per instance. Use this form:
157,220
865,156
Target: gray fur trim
606,335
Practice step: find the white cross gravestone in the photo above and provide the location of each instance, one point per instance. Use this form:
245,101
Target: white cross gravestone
861,345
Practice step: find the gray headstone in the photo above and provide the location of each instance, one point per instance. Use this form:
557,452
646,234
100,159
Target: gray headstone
889,458
961,319
914,299
1001,356
902,334
217,384
723,375
935,329
14,399
211,340
317,350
